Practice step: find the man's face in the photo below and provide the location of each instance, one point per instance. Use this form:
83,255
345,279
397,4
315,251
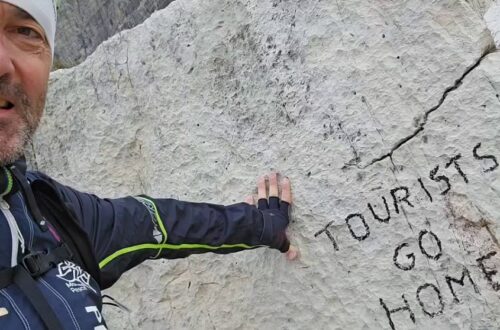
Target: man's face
25,61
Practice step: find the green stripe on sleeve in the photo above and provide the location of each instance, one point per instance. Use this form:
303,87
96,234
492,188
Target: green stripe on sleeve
135,248
151,204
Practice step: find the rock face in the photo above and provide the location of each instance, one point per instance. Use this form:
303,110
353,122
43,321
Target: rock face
385,116
492,18
83,25
480,6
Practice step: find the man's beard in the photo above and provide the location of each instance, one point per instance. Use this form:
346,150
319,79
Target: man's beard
16,133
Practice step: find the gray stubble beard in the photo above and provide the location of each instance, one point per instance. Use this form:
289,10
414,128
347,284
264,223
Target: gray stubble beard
12,145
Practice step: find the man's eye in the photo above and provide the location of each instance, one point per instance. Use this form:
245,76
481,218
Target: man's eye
29,32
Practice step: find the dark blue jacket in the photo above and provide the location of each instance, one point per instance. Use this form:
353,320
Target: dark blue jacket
121,233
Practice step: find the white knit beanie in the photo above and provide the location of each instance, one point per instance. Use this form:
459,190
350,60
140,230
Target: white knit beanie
44,12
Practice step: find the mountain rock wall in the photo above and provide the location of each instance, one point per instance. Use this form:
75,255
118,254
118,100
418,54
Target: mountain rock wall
492,17
84,25
384,115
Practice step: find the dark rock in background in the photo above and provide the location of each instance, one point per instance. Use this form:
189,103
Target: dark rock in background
83,25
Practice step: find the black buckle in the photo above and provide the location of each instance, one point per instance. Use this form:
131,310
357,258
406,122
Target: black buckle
38,263
33,263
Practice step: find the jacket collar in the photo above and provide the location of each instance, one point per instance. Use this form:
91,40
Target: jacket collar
8,183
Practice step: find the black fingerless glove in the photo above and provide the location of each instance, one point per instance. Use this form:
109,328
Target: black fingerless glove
276,219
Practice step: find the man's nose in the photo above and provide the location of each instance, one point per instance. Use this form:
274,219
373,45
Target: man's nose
6,63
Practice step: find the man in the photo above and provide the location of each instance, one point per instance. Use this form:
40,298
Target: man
60,247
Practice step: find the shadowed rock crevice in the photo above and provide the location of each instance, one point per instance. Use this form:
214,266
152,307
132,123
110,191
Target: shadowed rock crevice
421,125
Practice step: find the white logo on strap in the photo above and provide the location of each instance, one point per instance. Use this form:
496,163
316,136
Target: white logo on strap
77,280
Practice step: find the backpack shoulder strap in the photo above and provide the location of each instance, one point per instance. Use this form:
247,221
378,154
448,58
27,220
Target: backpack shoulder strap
62,218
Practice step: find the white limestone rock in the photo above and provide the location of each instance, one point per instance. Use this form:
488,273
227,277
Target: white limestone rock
207,95
492,18
479,6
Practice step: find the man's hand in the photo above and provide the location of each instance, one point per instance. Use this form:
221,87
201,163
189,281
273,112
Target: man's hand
268,198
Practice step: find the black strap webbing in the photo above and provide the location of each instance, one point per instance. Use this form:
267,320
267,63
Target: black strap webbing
34,265
48,203
6,277
38,264
65,224
28,286
28,194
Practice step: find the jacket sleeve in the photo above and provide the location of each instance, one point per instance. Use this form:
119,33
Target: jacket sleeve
127,231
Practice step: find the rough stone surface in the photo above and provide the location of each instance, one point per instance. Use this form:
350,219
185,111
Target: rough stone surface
492,18
352,100
83,25
479,6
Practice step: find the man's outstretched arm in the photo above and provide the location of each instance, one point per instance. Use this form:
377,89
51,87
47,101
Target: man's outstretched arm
127,231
